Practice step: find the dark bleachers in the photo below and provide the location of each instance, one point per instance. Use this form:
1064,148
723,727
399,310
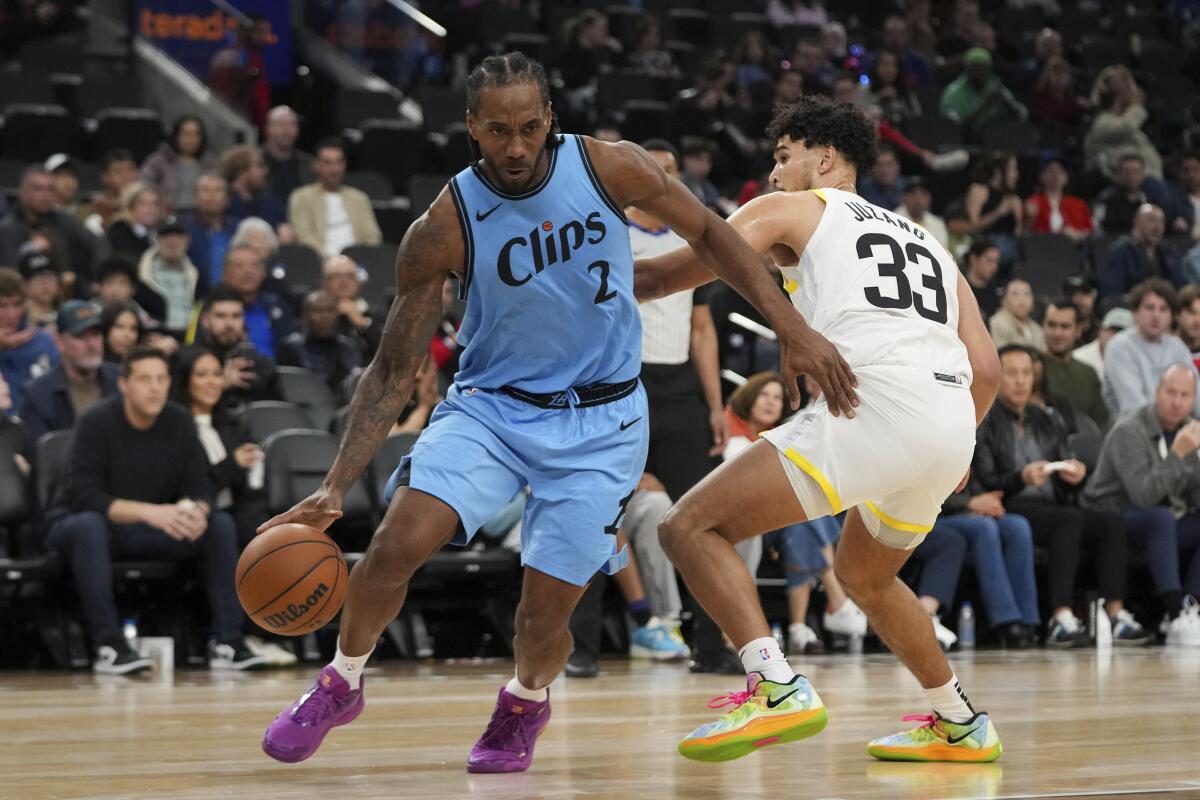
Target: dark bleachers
310,392
136,129
379,261
353,107
394,149
377,187
441,106
267,417
34,132
302,267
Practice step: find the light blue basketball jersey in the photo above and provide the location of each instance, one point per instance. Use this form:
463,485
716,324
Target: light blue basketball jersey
548,281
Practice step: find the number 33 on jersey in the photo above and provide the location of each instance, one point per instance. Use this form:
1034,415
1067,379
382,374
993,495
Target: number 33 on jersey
879,287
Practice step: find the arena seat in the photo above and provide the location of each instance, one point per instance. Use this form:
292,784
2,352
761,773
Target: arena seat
379,261
265,417
423,189
1049,259
376,186
441,106
308,391
302,268
35,132
353,107
394,148
296,463
136,129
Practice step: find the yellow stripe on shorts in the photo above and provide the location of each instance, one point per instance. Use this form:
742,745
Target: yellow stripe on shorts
803,463
896,524
790,285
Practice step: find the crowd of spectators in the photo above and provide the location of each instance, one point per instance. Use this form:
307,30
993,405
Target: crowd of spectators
169,283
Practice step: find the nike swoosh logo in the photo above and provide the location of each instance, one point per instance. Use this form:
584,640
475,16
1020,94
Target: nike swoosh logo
772,703
953,740
481,217
631,423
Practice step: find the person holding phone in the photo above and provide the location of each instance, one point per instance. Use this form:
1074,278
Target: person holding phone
248,374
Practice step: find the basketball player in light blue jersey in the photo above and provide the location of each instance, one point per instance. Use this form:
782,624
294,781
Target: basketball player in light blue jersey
547,395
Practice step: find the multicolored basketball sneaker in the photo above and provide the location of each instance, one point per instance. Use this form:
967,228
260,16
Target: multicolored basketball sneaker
766,713
507,744
937,739
298,731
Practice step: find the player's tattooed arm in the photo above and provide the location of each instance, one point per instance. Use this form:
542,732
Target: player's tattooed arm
431,250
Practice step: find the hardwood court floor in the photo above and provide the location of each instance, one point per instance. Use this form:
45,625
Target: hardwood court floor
1073,724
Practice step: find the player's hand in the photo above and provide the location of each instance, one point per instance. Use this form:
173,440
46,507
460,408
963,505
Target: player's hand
1034,473
319,510
720,431
988,504
1075,472
803,351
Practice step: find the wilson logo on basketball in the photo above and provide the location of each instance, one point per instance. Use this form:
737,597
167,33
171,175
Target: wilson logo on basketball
293,612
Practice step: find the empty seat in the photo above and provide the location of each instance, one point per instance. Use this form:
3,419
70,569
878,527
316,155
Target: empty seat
690,25
441,106
534,45
1098,52
379,261
728,30
302,267
393,221
354,107
933,132
392,148
1161,57
457,153
622,20
387,459
500,21
1013,135
10,175
96,94
377,187
646,119
423,190
25,86
310,392
266,417
34,132
296,463
138,130
1049,259
615,89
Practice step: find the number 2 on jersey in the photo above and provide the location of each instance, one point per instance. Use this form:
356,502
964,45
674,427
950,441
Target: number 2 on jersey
915,255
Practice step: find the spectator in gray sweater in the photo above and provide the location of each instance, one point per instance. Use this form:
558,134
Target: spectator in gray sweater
1149,471
1137,357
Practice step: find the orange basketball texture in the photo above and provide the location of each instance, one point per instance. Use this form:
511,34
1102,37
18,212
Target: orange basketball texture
292,579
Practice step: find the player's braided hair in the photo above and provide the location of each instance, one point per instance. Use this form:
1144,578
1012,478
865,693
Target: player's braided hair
505,70
820,122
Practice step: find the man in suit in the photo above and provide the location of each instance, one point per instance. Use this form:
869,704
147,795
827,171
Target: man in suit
329,216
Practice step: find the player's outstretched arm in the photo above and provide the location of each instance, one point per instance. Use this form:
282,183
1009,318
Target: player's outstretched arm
981,351
634,179
432,248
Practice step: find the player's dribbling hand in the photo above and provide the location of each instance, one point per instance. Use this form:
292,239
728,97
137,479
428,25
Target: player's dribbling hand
319,510
803,351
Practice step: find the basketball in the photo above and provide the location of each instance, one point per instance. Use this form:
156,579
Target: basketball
291,580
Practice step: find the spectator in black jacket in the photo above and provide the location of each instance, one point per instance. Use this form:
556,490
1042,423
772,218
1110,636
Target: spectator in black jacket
1022,452
1141,255
249,374
320,347
55,400
138,487
35,210
356,318
233,458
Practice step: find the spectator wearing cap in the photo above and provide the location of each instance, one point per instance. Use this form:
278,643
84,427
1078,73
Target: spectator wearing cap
35,211
1066,376
245,170
64,175
288,168
176,166
120,171
210,229
356,318
884,187
319,347
1136,358
1081,291
43,287
132,231
1092,353
978,97
25,351
329,216
1141,255
166,271
1052,210
55,400
915,206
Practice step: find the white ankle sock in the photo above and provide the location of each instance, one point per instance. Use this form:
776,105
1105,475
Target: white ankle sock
350,667
515,687
764,656
950,701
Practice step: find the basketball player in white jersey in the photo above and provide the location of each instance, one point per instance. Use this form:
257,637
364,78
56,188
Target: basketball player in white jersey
891,299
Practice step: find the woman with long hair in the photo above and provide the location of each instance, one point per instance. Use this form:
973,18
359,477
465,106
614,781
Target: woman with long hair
806,548
122,328
994,207
888,90
1119,107
133,231
176,166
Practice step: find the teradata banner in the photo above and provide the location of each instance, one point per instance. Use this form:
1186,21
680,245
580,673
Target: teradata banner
194,31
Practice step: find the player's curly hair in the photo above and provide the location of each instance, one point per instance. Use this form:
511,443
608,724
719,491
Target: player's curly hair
820,122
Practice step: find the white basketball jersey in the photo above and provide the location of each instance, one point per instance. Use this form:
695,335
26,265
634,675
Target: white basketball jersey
880,288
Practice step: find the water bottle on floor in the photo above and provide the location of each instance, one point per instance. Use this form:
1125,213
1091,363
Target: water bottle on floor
966,627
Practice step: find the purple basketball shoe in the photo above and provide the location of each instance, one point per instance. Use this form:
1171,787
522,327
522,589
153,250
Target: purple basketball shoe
507,744
299,730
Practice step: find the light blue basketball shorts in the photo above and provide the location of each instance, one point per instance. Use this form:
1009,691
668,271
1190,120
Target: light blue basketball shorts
581,459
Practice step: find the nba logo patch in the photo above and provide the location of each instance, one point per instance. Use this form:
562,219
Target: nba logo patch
764,654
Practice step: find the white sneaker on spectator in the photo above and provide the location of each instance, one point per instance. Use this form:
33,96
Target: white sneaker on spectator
233,656
120,660
848,620
275,654
1127,631
946,637
1184,630
803,641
